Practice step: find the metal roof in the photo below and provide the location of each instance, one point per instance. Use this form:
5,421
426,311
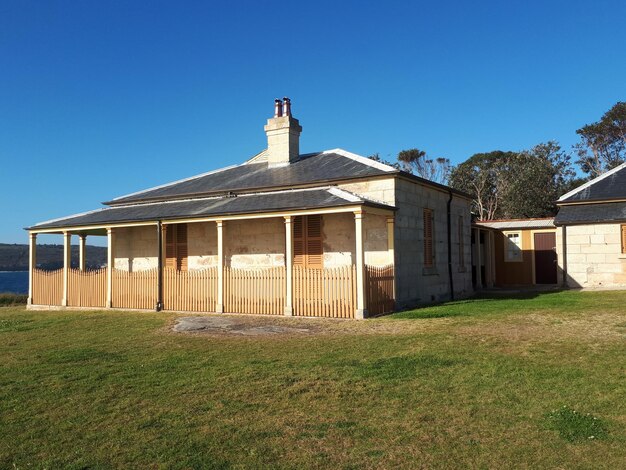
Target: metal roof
215,206
517,223
321,167
610,185
591,213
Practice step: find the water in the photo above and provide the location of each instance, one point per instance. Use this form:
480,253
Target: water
15,282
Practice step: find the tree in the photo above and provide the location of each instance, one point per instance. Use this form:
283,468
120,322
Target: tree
515,184
417,162
603,143
376,158
535,179
481,176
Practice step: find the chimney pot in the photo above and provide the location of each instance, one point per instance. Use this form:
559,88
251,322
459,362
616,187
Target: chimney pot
283,135
278,108
286,106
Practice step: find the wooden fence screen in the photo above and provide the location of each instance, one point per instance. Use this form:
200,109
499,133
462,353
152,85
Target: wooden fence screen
379,289
327,292
194,290
87,288
134,289
260,290
47,287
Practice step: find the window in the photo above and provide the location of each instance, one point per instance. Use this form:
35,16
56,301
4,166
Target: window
428,238
512,246
461,243
176,247
307,241
623,239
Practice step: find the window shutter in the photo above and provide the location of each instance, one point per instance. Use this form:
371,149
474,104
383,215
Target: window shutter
298,241
428,238
307,241
170,247
176,247
181,246
314,241
624,239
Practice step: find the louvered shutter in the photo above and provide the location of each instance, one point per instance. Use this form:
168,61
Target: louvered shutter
181,247
307,241
298,241
170,247
428,238
176,247
314,241
624,239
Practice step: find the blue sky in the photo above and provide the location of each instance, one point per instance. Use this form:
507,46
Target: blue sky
99,99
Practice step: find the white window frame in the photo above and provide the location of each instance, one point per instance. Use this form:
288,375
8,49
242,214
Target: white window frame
520,245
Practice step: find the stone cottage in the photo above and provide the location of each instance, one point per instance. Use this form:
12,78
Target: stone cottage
328,233
591,235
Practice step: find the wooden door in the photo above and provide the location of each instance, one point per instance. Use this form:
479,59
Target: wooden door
545,258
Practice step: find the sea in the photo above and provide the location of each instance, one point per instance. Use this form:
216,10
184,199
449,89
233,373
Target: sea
15,282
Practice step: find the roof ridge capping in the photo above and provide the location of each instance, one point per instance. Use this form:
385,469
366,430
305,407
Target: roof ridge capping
362,159
591,182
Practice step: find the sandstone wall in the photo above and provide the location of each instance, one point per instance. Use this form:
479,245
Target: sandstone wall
415,283
594,257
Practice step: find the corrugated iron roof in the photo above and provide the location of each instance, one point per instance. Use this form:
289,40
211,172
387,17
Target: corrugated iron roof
517,224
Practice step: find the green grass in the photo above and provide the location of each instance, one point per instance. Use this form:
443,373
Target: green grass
471,384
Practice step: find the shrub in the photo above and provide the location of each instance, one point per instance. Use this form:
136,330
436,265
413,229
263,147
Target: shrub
8,299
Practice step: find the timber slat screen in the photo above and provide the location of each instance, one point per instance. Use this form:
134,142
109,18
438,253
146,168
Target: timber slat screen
259,290
87,288
194,291
137,289
379,285
327,292
47,287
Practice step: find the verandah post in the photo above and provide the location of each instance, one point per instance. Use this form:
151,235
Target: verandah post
219,307
109,267
361,306
82,242
67,253
391,251
160,230
32,264
288,266
478,260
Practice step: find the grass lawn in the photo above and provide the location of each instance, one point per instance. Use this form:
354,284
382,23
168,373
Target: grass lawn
483,383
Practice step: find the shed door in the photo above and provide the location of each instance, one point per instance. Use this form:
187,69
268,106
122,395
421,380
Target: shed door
545,258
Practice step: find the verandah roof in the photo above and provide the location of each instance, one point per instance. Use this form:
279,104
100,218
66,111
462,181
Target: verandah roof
289,200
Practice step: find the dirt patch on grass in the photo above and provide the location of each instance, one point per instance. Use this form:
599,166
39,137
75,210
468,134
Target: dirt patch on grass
537,327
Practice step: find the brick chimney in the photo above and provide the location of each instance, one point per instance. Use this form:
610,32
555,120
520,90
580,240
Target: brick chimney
283,135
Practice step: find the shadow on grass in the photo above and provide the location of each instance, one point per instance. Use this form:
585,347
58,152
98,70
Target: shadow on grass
492,303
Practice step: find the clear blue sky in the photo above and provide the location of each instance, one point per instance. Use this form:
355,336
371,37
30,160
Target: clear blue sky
103,98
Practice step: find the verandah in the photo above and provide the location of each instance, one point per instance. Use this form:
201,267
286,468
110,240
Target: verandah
336,291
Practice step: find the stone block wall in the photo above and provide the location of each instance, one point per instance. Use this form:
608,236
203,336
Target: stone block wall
254,243
201,245
135,248
594,256
415,283
340,240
